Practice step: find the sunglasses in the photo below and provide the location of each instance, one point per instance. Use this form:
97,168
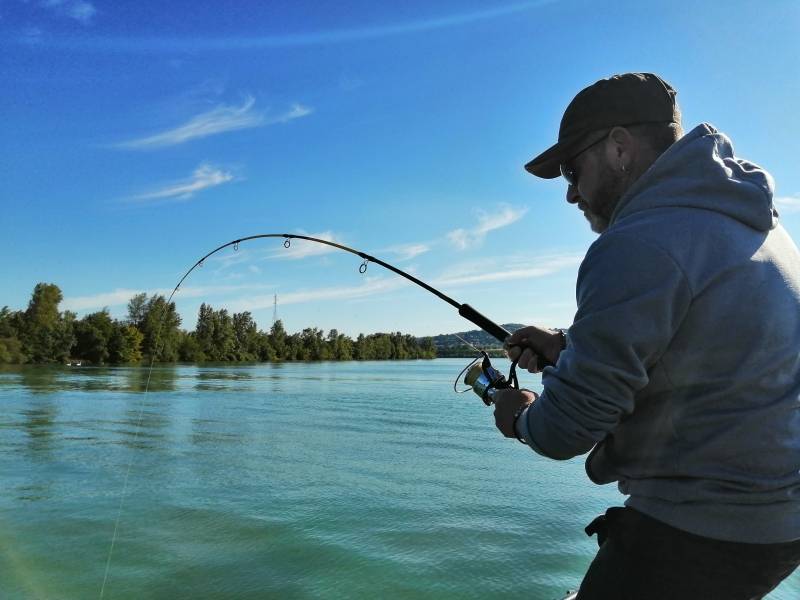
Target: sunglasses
567,169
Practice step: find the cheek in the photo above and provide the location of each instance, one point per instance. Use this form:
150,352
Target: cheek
588,179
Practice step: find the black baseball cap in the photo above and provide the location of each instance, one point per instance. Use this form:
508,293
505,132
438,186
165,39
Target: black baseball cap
627,99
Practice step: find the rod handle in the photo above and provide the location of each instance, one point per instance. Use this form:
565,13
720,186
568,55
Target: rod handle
490,327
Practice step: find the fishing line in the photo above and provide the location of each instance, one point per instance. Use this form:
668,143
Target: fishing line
464,310
164,313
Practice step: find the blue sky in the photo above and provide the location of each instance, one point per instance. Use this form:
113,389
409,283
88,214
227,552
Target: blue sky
137,136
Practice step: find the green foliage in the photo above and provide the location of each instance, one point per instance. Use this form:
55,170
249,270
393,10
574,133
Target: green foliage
91,343
100,339
137,310
11,327
391,346
159,324
11,322
247,338
152,330
216,337
125,344
277,340
45,333
189,348
11,351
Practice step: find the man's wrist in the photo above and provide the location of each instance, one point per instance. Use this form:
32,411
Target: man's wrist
519,417
559,343
522,431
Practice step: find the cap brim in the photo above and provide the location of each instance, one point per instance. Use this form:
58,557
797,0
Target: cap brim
546,165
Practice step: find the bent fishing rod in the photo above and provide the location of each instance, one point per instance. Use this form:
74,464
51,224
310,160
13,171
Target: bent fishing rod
480,375
465,310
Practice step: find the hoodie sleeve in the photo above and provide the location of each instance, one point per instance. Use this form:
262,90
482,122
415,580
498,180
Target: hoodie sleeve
632,297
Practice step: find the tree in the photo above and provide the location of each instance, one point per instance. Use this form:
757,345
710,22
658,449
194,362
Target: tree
160,330
46,334
427,348
137,310
11,351
91,344
277,339
245,331
101,339
340,347
125,344
152,328
11,322
313,344
224,336
266,352
189,348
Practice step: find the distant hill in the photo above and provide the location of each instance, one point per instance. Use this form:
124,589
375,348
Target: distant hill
448,345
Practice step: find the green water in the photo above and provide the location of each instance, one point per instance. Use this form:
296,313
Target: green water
327,480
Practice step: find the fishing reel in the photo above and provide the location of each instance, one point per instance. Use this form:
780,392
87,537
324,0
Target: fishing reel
485,380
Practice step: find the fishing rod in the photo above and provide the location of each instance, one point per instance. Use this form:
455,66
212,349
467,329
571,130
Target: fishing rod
480,375
465,310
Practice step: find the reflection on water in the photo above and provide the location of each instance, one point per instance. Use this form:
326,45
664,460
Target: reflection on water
40,380
164,378
48,379
38,422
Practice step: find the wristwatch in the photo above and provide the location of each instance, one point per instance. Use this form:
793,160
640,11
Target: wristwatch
563,334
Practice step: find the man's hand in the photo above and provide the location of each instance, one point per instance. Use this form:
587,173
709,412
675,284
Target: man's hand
506,403
529,343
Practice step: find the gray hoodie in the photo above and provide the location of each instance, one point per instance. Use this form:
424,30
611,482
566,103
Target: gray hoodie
682,367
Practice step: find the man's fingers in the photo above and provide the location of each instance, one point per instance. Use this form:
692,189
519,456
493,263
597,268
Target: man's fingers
533,364
525,358
518,337
529,360
520,347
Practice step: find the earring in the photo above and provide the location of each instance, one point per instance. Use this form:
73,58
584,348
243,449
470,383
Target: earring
622,168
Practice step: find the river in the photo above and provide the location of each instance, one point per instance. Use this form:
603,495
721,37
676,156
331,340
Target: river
320,480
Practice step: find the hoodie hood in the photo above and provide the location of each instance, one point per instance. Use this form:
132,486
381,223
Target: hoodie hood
701,171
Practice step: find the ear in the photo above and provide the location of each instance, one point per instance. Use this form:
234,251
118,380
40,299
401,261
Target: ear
622,149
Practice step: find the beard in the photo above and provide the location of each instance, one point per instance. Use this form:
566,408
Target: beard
599,209
597,223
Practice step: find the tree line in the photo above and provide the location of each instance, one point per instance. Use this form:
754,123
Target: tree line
43,334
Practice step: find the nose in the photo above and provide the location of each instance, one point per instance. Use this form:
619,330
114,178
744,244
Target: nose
573,196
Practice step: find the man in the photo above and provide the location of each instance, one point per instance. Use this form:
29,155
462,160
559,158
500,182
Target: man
681,370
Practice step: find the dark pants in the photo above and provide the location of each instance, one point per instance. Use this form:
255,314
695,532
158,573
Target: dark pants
641,558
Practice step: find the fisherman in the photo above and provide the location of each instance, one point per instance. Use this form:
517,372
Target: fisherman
681,370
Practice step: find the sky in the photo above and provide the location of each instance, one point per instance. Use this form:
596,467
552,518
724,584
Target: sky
135,137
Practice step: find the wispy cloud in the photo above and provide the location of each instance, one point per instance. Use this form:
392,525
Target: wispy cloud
121,296
370,287
302,248
205,176
788,204
220,119
116,298
32,36
348,83
489,271
149,44
409,251
79,10
467,238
